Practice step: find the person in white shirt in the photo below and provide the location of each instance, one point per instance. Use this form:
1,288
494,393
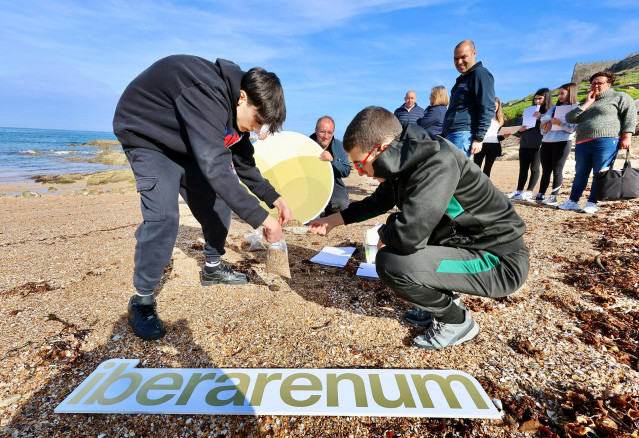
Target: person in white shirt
555,146
492,146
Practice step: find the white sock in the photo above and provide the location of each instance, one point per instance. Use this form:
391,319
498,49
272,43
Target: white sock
143,295
213,264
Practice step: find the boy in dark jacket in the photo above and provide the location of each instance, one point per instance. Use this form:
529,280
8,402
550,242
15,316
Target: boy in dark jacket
454,230
184,125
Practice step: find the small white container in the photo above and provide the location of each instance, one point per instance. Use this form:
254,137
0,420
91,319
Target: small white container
371,239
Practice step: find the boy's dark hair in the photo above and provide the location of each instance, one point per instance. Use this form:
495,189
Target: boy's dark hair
610,76
372,126
264,91
547,99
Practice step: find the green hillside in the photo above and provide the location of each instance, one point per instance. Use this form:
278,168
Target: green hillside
627,80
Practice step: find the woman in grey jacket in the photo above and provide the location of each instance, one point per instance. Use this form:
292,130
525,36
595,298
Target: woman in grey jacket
607,119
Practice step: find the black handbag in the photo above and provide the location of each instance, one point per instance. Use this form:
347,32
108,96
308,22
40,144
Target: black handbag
611,184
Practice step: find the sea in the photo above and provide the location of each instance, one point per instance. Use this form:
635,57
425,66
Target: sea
26,153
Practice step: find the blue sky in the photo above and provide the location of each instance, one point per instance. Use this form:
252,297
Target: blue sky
65,63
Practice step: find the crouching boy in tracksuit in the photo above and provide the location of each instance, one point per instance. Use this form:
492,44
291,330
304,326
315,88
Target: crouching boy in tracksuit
184,125
454,230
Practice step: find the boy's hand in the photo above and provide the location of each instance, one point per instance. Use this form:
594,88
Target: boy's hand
323,226
283,209
272,230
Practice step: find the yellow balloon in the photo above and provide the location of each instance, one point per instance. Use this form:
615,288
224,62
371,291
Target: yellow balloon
290,161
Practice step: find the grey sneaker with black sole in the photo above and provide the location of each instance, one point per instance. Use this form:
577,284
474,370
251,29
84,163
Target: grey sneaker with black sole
423,318
221,274
441,335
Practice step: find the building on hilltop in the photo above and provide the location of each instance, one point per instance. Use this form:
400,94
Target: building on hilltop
583,71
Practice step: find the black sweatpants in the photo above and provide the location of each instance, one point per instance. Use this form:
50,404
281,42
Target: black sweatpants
553,158
490,152
159,179
427,277
528,160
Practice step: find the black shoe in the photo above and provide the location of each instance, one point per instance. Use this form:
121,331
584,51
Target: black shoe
143,318
221,274
418,317
421,317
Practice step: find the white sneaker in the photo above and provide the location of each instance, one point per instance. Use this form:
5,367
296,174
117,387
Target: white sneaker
569,205
512,194
590,208
523,196
550,200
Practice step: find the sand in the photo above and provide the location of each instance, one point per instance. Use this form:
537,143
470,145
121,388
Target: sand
65,280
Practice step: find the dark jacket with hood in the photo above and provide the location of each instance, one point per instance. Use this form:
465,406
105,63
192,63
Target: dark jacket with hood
443,199
341,166
472,102
187,105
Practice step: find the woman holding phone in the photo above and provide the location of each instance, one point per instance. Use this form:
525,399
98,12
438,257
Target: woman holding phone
607,119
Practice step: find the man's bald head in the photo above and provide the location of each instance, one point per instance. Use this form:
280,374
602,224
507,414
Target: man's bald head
465,54
410,99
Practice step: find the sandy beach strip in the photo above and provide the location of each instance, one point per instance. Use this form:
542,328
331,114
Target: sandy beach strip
66,275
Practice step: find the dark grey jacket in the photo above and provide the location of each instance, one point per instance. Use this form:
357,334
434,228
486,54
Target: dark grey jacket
187,105
443,199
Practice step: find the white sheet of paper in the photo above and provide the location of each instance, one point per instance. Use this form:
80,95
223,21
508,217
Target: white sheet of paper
529,120
504,130
560,113
332,256
367,270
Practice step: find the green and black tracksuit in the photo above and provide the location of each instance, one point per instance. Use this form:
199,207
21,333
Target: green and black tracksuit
454,230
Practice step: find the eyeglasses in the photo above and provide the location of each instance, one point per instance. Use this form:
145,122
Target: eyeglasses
361,164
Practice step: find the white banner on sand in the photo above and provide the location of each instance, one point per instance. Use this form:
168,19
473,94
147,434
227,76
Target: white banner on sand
116,386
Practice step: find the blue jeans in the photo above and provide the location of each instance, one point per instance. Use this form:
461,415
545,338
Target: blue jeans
461,139
591,156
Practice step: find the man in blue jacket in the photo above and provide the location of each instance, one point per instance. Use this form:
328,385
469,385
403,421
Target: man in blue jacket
184,125
335,154
410,112
472,102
